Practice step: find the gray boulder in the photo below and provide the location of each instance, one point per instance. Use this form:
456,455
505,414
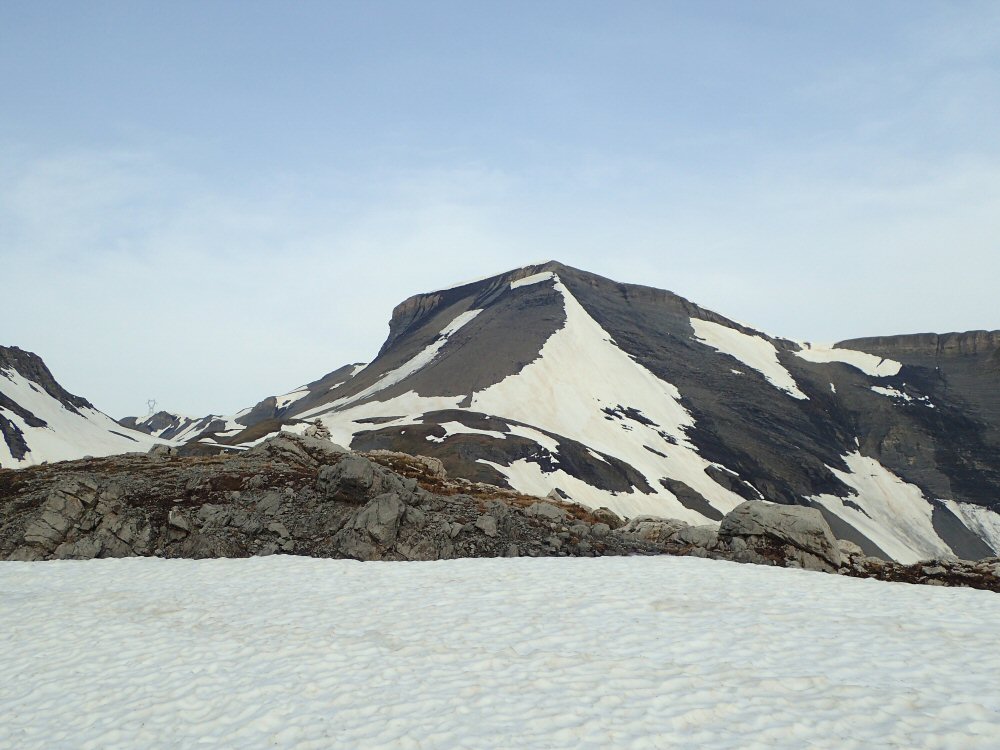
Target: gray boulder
546,510
706,536
351,478
800,534
487,524
652,528
607,516
377,523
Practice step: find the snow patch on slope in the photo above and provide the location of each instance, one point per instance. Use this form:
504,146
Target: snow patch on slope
896,515
549,394
983,522
68,435
869,364
535,279
405,409
457,428
414,364
288,399
753,351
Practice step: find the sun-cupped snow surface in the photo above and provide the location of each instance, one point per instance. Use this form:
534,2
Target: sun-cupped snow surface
895,514
753,351
68,435
869,364
549,394
641,652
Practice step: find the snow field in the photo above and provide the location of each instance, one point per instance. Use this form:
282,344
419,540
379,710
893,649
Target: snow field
527,653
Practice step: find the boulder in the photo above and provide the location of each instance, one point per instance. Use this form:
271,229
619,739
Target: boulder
607,516
849,549
804,533
352,478
546,510
706,536
380,518
652,528
487,524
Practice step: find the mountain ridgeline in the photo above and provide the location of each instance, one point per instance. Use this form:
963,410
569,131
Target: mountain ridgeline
552,380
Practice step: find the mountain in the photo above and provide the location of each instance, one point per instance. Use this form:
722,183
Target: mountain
40,421
551,379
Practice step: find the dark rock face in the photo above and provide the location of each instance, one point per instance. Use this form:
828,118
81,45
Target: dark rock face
953,449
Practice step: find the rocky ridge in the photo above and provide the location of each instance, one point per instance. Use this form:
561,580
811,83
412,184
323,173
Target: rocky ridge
307,496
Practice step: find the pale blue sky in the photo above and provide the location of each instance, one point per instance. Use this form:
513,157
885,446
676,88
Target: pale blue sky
210,202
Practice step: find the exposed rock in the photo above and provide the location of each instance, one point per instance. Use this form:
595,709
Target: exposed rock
547,510
292,498
177,519
607,516
801,534
487,524
706,536
431,467
652,528
849,549
350,478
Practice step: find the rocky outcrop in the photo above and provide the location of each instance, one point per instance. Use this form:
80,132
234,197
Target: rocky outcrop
303,495
290,494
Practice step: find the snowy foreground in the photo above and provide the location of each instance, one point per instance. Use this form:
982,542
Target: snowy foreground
507,653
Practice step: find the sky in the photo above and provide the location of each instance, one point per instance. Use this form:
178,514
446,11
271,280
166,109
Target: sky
206,203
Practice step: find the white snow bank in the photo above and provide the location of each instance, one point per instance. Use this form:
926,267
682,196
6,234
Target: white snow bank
753,351
655,652
457,428
899,395
869,364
